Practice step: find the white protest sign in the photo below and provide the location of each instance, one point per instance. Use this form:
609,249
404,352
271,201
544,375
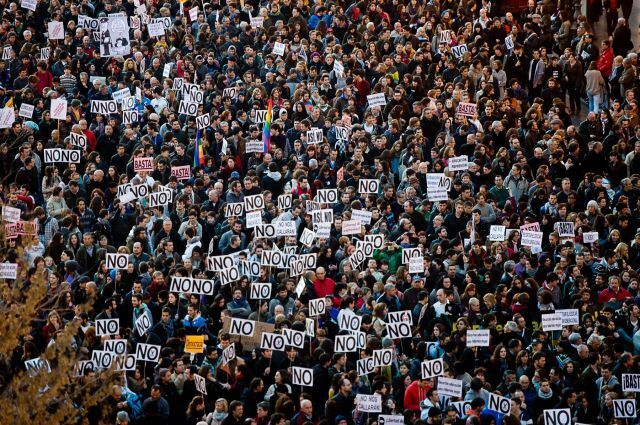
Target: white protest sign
409,253
499,404
531,239
59,109
369,402
376,99
345,344
342,133
533,227
11,214
327,196
363,216
377,240
315,136
565,229
229,354
302,376
496,233
26,110
450,387
242,327
477,337
624,408
278,48
383,357
631,382
271,341
144,323
431,368
351,227
416,265
107,327
557,417
116,261
459,163
29,4
8,271
459,50
508,42
551,322
368,186
590,237
316,307
257,21
56,30
570,316
201,384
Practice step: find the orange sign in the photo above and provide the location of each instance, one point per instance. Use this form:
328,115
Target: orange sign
194,344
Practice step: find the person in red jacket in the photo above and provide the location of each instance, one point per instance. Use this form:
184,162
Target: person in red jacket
605,60
415,393
323,285
614,293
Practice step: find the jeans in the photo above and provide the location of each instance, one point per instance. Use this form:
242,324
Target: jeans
594,102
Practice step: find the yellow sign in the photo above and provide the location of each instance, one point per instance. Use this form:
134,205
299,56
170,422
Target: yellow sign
194,344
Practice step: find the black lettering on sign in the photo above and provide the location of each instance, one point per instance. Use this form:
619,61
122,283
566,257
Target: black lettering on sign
271,341
107,327
557,417
345,344
302,376
242,327
431,368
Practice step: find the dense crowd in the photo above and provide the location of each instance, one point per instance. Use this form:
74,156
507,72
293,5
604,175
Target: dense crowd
454,166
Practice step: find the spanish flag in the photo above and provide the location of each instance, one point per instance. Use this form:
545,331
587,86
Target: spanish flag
198,156
266,128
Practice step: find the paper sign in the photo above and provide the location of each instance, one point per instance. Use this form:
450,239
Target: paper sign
194,344
551,322
56,30
182,172
459,163
531,239
8,271
11,214
59,109
590,237
143,164
631,382
26,110
477,338
466,109
565,229
278,48
257,22
450,387
496,233
376,99
369,402
351,227
570,316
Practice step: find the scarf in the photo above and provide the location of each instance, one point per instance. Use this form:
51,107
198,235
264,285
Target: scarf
545,396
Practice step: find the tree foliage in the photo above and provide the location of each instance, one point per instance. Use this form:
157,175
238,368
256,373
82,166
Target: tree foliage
52,393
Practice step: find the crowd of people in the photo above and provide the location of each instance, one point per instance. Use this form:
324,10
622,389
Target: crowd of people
541,219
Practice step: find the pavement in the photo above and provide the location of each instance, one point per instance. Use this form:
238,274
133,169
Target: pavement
600,30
